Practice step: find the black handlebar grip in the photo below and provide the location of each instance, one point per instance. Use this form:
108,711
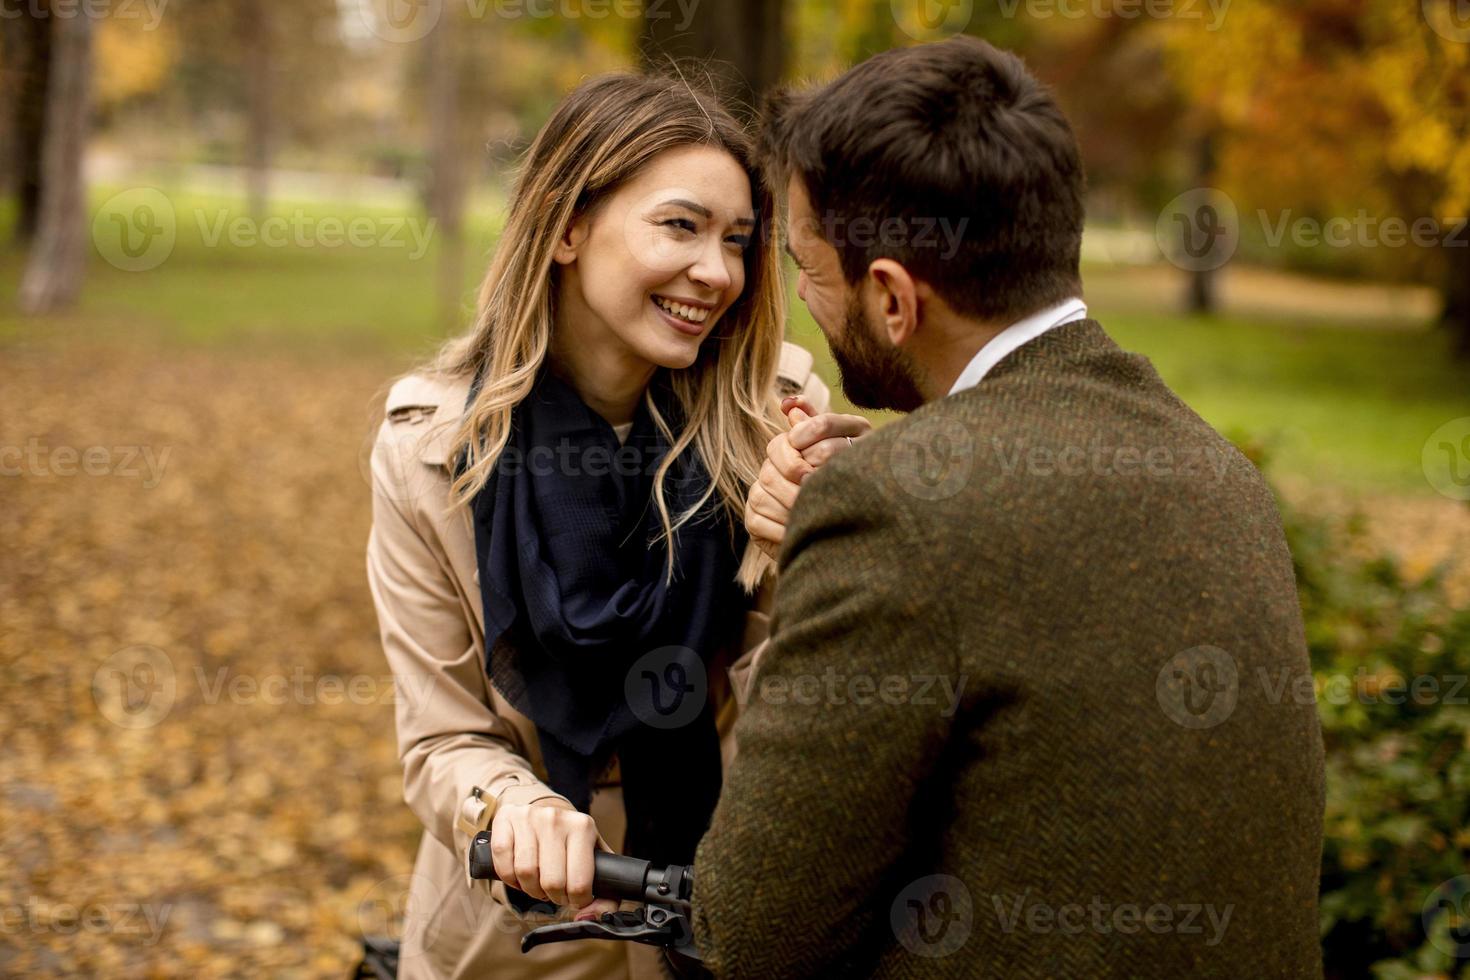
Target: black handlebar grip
482,864
615,876
619,877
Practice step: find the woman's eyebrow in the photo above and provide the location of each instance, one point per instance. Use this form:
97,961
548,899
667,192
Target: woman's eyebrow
698,209
705,212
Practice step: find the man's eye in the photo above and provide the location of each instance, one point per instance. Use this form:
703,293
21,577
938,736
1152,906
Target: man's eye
683,224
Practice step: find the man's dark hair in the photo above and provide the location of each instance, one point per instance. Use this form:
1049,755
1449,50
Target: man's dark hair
956,131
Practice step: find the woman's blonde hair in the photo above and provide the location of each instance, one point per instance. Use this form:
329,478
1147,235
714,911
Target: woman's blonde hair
600,136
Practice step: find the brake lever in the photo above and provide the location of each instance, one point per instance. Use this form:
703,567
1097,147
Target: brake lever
654,925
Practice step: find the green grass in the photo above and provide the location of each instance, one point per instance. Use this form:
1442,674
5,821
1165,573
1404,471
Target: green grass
1346,406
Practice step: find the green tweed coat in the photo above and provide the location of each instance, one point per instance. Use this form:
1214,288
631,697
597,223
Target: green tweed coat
1037,702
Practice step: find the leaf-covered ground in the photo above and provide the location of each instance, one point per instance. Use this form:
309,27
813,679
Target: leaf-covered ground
197,767
196,722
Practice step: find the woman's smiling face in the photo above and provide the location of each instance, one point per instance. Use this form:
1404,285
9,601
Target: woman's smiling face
649,273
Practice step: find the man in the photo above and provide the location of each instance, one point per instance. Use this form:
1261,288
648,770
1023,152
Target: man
1027,709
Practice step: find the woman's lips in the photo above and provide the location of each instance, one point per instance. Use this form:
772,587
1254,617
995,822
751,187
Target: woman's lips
683,326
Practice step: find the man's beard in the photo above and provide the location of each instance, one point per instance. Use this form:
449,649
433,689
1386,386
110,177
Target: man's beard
874,375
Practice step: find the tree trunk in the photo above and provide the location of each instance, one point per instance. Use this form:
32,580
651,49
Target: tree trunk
26,60
1201,297
741,44
260,90
447,170
1456,315
58,258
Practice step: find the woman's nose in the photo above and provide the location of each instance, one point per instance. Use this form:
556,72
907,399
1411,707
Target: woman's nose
710,269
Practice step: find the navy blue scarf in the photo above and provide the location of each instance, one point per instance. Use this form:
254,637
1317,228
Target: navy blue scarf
603,654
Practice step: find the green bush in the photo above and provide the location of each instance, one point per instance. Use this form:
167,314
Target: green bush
1391,662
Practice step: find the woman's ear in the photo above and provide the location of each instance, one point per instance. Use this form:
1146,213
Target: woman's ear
570,243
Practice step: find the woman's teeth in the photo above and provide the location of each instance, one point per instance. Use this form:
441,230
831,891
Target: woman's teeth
691,313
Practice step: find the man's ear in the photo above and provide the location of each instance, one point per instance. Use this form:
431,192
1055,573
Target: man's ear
896,299
570,243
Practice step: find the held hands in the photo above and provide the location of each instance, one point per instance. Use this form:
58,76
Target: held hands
545,849
812,441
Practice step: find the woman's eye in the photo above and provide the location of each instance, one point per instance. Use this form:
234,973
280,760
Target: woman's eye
741,242
683,224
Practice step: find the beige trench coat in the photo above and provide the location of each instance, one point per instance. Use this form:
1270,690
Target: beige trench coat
454,730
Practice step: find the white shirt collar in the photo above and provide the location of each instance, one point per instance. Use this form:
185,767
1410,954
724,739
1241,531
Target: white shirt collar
1021,332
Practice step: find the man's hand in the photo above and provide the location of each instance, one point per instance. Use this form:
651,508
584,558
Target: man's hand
545,850
812,441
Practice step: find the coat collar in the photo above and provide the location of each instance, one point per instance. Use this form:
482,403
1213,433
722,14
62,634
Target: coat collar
440,400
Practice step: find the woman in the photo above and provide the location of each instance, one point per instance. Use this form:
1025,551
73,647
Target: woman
564,487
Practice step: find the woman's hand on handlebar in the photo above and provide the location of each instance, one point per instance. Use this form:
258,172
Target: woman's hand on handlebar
545,849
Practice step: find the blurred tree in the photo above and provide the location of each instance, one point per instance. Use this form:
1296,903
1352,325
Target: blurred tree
239,57
447,161
255,20
743,45
1357,109
24,61
58,256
